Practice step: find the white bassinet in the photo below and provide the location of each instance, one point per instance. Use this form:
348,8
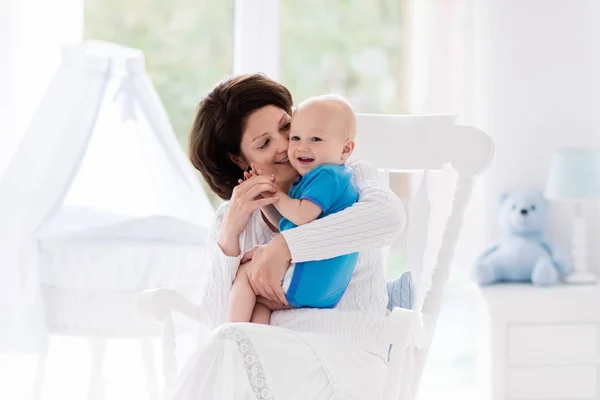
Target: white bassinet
98,203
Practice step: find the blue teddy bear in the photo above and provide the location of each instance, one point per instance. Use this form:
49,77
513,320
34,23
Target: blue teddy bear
523,254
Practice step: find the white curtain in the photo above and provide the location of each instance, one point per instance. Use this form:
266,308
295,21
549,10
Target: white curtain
440,58
8,42
34,182
442,82
31,33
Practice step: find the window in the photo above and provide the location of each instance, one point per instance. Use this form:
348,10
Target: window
358,49
188,46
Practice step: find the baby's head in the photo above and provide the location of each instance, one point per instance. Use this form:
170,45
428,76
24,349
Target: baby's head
322,132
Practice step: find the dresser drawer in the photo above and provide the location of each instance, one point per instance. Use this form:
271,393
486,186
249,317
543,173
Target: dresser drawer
552,343
573,382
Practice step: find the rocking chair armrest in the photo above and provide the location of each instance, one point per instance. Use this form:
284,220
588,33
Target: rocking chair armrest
403,325
400,326
159,303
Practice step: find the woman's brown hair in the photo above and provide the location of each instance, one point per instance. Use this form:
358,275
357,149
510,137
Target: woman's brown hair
220,122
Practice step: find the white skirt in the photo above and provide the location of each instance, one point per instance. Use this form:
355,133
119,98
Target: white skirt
252,361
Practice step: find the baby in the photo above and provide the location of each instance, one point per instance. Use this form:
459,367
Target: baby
321,140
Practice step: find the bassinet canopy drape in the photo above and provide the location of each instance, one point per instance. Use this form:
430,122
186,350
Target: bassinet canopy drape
98,164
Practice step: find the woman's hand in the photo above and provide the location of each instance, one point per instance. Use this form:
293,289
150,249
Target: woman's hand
272,305
244,200
268,267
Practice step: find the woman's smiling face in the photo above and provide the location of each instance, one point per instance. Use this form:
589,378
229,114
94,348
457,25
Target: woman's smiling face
265,142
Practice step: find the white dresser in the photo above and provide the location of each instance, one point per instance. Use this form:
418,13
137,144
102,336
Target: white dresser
545,342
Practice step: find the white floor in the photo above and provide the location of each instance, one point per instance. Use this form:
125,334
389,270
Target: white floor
68,367
457,364
68,372
453,369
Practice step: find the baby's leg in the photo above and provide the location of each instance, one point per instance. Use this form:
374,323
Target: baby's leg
241,299
261,314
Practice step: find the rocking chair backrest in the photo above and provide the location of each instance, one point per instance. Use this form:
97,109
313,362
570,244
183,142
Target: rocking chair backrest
422,144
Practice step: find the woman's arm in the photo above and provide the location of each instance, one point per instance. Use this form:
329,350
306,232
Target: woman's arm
224,253
214,299
374,221
246,197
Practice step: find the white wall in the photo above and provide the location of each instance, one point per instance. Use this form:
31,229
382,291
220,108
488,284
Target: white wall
537,66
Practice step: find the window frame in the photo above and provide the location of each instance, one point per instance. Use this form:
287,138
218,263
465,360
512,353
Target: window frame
256,37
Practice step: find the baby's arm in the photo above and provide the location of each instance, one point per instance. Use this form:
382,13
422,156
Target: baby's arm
272,214
300,212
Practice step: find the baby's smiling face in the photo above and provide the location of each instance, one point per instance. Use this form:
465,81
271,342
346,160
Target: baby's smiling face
322,132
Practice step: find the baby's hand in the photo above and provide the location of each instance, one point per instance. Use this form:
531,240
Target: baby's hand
254,171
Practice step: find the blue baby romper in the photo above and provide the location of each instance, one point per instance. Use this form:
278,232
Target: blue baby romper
321,284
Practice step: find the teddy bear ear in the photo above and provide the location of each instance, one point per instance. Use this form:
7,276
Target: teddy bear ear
502,198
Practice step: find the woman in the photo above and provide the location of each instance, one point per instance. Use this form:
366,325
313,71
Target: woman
320,354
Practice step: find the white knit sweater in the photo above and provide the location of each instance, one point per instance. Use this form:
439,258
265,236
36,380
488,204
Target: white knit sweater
366,227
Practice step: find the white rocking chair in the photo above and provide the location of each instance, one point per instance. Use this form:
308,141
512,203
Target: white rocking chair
393,143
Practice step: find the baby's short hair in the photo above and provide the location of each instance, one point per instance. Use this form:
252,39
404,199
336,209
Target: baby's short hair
340,103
